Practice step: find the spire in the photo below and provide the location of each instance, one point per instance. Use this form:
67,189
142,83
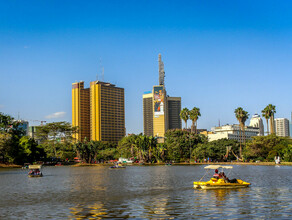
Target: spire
161,70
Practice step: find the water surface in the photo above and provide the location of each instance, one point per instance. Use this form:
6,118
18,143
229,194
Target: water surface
137,192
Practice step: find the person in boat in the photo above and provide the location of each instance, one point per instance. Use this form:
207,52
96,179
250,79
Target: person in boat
216,175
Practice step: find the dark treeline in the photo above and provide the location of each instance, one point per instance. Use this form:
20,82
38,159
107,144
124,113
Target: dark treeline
54,142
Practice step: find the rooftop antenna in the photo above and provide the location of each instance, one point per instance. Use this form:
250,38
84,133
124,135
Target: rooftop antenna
101,70
161,70
219,122
102,74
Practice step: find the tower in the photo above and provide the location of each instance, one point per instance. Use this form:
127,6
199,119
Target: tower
160,112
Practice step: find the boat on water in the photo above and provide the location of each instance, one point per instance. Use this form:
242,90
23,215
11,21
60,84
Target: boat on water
35,171
117,166
221,182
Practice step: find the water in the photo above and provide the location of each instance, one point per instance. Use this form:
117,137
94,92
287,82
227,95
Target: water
143,192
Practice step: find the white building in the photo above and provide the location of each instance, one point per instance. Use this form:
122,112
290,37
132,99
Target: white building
257,122
233,132
282,127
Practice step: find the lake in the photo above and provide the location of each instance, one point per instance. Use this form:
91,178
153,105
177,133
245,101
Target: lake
137,192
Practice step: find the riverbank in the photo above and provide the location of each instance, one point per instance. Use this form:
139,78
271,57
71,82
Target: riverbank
2,165
187,164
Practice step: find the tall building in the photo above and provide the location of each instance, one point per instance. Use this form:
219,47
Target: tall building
148,113
282,127
98,111
257,122
81,111
160,112
107,112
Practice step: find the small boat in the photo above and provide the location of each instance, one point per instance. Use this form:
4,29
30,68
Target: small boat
117,166
220,183
35,171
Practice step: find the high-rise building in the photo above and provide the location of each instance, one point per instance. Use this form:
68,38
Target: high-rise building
174,108
81,111
257,122
148,113
160,112
98,111
282,127
107,112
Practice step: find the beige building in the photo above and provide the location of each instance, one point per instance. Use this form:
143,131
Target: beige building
282,127
233,132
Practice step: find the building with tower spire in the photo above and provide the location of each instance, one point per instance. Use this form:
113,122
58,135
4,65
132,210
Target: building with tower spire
257,122
160,112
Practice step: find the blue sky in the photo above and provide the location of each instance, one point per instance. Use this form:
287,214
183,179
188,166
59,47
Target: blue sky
218,55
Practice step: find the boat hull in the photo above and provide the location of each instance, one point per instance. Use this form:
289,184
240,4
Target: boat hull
41,175
220,185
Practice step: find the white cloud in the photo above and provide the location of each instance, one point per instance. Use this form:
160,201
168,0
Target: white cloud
26,47
56,115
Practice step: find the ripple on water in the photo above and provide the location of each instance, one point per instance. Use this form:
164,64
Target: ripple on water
156,192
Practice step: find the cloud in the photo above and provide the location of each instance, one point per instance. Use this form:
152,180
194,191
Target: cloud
26,47
1,106
56,115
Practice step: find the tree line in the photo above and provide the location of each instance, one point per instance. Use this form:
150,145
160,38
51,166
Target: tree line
54,142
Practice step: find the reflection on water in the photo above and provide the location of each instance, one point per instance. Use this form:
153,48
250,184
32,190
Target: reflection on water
151,192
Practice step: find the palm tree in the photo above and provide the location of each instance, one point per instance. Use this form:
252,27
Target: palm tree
184,115
241,116
265,114
272,111
194,115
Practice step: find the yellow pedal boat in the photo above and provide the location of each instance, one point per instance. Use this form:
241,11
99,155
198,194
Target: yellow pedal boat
221,183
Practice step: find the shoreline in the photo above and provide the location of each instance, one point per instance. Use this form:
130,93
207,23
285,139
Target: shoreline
191,164
163,164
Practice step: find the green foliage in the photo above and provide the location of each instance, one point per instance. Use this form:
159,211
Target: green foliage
267,147
56,137
29,151
179,144
216,150
194,115
139,146
184,115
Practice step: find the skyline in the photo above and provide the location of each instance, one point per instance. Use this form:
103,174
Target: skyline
217,55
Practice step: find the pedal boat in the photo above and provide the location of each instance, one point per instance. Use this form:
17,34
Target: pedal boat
35,171
214,183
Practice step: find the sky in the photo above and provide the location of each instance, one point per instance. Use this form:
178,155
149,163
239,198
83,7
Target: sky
218,55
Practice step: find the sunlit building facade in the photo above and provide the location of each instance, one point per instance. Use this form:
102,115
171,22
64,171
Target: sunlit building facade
98,111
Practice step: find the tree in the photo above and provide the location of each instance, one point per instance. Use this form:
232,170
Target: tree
241,116
184,115
52,135
265,114
271,111
194,114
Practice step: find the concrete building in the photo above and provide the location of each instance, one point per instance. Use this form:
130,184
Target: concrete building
81,110
160,112
257,122
233,132
98,111
282,127
148,113
107,112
